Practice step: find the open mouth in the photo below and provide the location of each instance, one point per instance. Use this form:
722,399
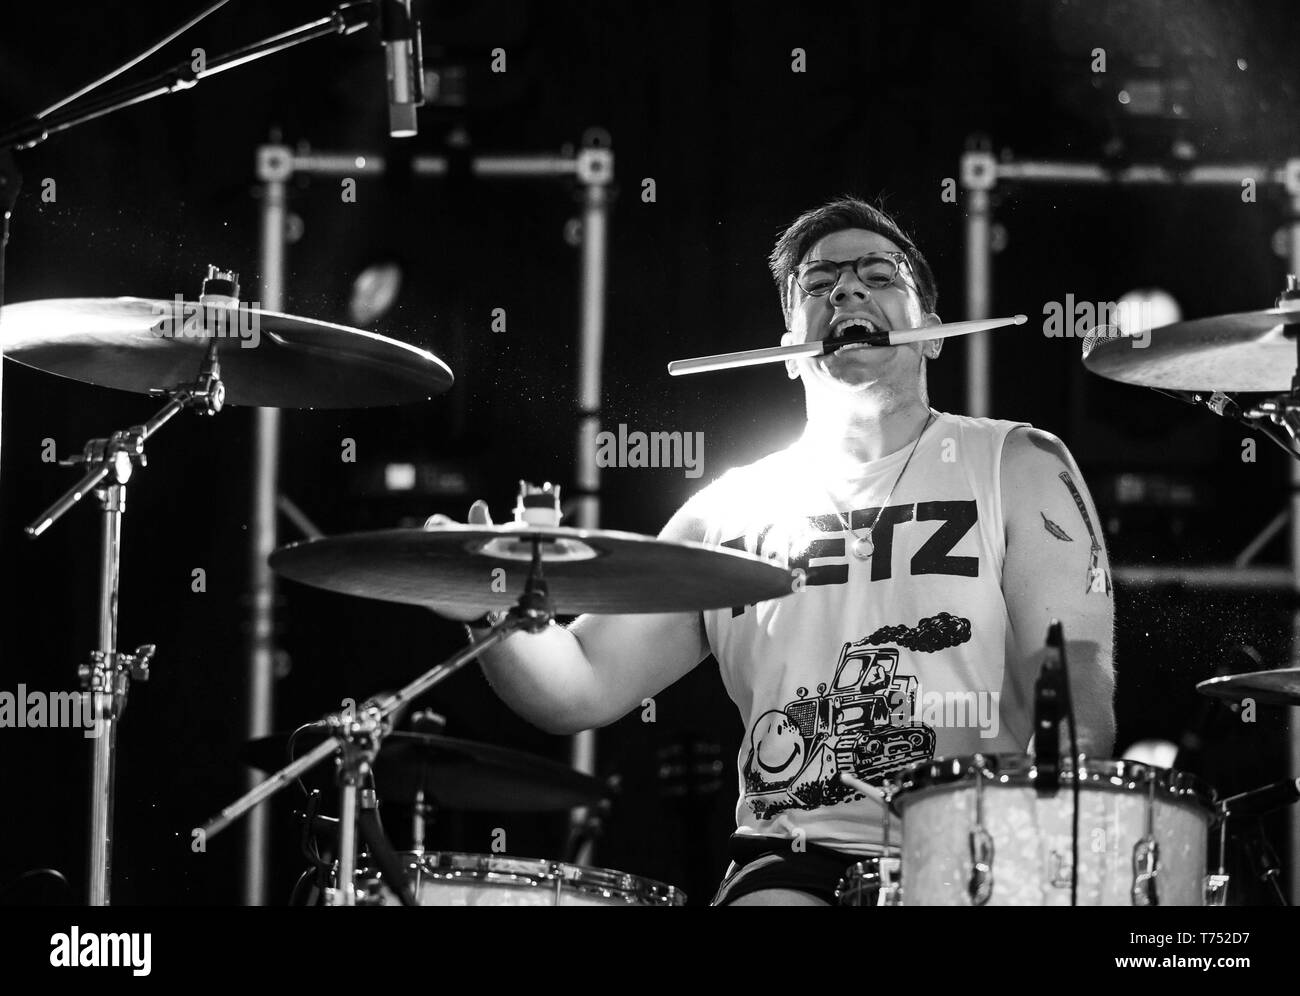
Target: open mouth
855,326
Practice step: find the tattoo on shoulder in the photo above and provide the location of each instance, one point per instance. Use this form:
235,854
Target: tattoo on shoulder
1098,577
1056,530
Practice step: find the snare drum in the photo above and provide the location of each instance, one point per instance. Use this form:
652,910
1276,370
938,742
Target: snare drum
447,878
976,833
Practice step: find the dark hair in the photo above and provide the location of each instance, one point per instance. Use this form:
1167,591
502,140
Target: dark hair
835,216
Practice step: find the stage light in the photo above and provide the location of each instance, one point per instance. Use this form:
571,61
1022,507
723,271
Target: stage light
1157,753
373,292
1146,308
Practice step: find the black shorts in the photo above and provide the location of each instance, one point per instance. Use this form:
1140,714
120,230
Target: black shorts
772,863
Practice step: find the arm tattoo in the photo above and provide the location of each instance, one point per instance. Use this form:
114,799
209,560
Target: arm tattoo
1056,530
1098,579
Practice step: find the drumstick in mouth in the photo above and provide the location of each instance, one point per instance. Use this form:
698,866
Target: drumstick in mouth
821,347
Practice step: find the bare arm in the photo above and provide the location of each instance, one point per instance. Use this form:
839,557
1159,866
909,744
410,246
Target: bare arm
1056,568
599,668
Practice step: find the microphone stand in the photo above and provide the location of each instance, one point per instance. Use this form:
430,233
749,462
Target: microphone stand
1052,702
346,19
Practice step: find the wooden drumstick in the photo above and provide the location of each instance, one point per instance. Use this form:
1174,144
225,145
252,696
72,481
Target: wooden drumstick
870,791
776,354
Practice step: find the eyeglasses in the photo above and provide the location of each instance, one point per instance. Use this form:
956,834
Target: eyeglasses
876,270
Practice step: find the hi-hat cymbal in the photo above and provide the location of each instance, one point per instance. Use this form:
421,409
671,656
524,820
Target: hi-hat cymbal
477,568
267,358
1248,351
454,774
1277,687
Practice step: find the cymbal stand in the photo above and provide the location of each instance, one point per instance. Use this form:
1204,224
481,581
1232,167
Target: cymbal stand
356,736
1282,410
107,677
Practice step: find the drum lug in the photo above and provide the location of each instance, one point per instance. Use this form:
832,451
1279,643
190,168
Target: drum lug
1146,856
1146,866
979,886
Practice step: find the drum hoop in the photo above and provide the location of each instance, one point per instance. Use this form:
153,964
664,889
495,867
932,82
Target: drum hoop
499,869
1016,770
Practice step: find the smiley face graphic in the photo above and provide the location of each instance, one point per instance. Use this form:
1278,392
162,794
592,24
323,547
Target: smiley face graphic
776,747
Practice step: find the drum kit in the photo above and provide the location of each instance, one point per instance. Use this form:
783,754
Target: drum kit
976,830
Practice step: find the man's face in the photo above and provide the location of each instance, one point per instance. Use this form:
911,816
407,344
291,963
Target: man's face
898,306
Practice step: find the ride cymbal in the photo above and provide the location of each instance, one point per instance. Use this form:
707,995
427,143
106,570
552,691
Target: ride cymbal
267,358
1248,351
477,568
1278,687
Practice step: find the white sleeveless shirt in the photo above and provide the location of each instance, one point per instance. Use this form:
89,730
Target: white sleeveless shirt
876,664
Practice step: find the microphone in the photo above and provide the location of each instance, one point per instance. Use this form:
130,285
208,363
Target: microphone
1259,801
405,63
1050,691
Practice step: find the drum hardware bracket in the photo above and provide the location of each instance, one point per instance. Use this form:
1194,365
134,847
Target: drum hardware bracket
1216,883
1216,889
891,884
359,734
112,672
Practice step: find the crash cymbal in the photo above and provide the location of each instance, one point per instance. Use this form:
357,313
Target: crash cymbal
1248,351
478,568
1278,687
454,774
267,358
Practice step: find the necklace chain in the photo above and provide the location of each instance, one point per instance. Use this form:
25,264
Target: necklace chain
864,546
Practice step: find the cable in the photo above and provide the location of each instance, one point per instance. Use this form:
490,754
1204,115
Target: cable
132,63
1074,791
293,737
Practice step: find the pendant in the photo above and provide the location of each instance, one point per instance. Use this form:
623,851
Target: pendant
863,548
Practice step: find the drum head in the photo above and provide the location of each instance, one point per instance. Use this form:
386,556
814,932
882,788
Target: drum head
457,878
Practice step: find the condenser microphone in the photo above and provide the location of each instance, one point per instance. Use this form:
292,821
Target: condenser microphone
405,64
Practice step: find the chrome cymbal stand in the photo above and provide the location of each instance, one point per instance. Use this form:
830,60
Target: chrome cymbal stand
1281,410
106,679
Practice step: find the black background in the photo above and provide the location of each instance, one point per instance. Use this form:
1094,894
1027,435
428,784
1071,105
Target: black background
701,98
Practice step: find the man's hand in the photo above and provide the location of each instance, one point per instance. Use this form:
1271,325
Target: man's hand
478,516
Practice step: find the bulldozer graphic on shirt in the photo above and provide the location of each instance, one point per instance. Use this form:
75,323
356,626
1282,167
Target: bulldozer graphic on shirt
861,725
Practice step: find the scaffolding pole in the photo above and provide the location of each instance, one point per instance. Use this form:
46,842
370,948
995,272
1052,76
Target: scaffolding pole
593,170
980,173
